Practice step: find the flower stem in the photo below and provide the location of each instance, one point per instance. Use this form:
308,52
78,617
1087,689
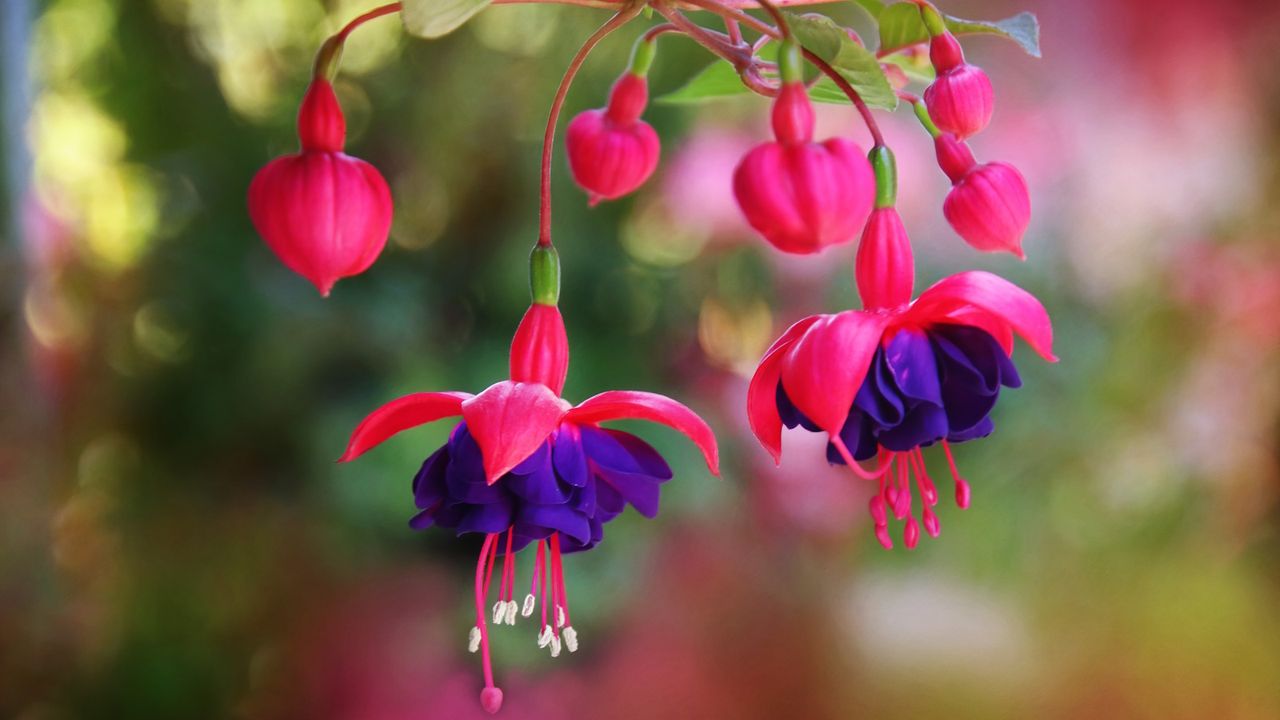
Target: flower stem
326,65
548,139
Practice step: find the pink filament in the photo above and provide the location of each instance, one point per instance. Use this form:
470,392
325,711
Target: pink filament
482,587
559,576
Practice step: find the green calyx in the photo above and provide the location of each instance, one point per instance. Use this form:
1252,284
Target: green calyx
544,275
886,170
933,20
642,55
328,58
790,66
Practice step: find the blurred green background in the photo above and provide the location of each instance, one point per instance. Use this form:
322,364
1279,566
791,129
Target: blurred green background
177,542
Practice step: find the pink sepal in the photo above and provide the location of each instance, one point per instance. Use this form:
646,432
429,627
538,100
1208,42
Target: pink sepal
509,420
825,367
964,294
637,405
402,414
762,394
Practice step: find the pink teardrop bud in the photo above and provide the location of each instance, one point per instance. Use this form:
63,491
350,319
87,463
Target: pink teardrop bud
885,270
540,348
800,195
902,504
611,151
961,100
882,534
963,493
990,207
325,214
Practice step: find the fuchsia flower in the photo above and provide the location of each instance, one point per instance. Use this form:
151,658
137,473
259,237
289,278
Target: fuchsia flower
611,150
525,466
800,195
960,99
885,381
325,214
989,205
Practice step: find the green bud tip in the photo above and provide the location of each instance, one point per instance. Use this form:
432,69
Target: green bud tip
642,55
885,167
544,275
933,20
790,66
922,114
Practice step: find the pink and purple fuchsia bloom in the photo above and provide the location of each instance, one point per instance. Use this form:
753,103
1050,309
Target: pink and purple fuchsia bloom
898,376
524,466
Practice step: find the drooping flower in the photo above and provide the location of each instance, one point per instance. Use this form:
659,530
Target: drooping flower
611,150
989,204
524,466
897,376
325,214
803,196
960,99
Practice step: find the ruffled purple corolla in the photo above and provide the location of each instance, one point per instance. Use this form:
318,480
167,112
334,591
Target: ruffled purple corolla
578,480
923,386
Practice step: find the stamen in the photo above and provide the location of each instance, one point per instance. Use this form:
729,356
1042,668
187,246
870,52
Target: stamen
490,697
563,604
509,568
473,639
877,510
882,534
928,492
499,612
854,467
963,494
511,610
544,637
931,524
559,616
491,563
555,646
570,638
529,602
911,533
902,506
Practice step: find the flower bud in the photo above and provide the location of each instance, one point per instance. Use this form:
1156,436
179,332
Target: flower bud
325,214
954,157
990,208
540,348
960,99
885,269
800,195
611,150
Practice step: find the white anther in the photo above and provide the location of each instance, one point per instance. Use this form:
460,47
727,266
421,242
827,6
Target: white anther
559,616
570,638
529,602
544,638
473,640
555,646
499,611
512,609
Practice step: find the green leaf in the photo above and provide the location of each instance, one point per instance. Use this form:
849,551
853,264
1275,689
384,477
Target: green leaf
875,7
1022,28
901,26
822,36
435,18
717,80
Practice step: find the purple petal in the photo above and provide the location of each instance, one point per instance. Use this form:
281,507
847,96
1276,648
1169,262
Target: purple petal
570,462
913,367
648,459
428,484
640,490
488,518
556,517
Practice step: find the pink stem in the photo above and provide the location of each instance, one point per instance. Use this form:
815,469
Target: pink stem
853,464
548,138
